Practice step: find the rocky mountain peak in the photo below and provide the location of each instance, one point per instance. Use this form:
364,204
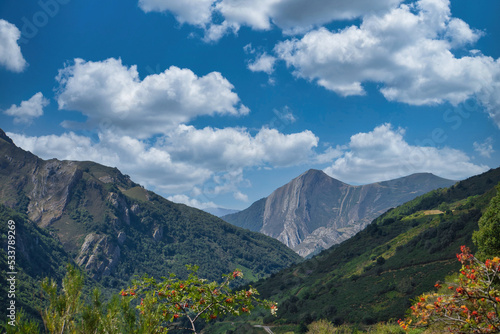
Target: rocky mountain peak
4,136
108,224
317,176
315,211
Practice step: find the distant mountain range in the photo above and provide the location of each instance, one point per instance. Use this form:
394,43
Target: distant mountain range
374,276
220,212
114,228
314,211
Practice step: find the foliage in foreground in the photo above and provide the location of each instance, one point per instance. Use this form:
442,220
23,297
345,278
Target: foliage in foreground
487,238
471,304
171,304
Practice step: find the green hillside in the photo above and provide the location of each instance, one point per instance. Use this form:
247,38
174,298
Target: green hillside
114,229
37,255
373,276
315,211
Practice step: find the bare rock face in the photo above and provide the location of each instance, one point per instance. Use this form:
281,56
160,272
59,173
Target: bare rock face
51,184
98,255
94,212
289,214
121,205
136,209
121,237
158,233
314,211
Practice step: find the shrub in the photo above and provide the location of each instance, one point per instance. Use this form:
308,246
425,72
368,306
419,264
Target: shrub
164,305
469,305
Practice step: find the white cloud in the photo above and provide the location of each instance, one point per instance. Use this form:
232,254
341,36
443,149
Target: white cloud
240,196
28,110
10,52
235,148
150,166
485,149
383,154
292,16
193,202
408,51
214,32
284,117
207,161
263,63
299,15
67,146
112,95
329,155
253,13
196,12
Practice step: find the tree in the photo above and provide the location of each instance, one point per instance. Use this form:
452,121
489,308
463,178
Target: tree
163,305
60,316
321,327
469,305
487,238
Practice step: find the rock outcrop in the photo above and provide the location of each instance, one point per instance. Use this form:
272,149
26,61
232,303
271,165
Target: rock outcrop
314,211
98,255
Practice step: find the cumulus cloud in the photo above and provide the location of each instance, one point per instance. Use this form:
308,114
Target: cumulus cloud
299,15
485,148
28,110
10,52
408,51
195,12
151,166
214,32
112,95
241,196
185,159
263,63
292,16
234,148
383,154
193,202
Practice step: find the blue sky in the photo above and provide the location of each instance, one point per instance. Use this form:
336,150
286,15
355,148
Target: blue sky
219,102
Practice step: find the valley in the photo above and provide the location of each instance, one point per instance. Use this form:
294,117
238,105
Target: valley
371,248
314,211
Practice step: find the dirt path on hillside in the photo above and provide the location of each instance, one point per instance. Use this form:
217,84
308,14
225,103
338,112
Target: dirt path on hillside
266,328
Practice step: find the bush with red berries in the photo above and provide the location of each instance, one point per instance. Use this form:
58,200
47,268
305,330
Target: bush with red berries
164,304
470,304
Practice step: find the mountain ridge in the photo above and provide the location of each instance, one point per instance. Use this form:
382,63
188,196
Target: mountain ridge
315,211
114,228
373,276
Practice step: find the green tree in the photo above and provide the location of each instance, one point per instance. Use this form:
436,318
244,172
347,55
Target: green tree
24,325
164,305
60,316
321,327
487,238
471,304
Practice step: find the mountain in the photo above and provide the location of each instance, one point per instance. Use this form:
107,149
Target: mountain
37,255
374,275
219,212
114,228
314,211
